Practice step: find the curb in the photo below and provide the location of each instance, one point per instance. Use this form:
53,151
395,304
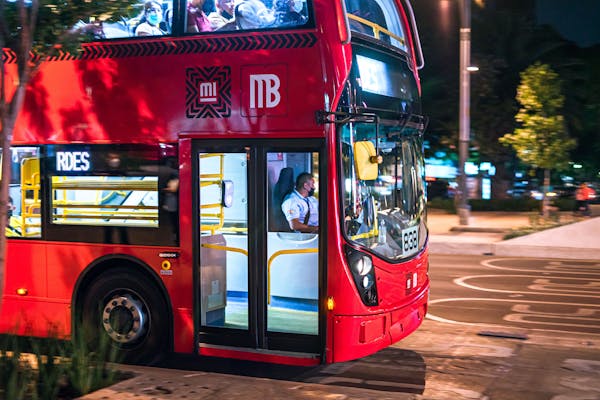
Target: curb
477,229
469,249
571,253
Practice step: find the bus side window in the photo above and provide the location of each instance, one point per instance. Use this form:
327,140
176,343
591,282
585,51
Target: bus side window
168,20
23,213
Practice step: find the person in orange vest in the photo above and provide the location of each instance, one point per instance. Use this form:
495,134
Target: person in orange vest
583,195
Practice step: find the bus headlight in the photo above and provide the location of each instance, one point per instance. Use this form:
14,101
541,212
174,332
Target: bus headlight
361,266
364,265
367,282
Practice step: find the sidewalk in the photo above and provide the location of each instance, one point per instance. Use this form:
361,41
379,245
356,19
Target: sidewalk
485,232
483,235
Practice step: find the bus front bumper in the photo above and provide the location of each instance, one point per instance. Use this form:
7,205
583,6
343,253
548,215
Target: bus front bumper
358,336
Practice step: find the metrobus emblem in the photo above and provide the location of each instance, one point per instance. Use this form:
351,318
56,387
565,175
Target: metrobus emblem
264,90
208,92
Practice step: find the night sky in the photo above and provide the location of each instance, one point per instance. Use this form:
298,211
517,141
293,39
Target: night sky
576,20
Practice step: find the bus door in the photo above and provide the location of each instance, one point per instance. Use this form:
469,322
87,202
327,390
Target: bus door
258,280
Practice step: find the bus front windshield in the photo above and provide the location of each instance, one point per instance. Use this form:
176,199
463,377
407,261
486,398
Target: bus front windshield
387,214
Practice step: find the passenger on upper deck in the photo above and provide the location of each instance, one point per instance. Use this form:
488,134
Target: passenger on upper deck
222,18
197,21
252,14
149,24
288,12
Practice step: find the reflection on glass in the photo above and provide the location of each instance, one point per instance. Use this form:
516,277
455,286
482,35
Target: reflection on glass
105,200
155,18
377,18
292,256
224,239
387,214
23,215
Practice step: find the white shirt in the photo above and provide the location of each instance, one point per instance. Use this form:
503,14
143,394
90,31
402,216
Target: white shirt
145,29
296,206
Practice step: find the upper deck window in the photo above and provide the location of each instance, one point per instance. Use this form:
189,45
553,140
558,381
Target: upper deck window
141,18
157,17
230,15
377,18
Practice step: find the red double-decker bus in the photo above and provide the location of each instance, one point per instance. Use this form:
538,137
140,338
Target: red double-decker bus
149,179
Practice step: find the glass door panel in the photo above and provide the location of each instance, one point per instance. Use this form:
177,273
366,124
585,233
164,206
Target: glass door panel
292,243
223,211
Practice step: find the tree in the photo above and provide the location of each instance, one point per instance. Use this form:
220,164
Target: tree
31,31
541,139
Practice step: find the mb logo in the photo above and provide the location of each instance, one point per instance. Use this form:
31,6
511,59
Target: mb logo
264,90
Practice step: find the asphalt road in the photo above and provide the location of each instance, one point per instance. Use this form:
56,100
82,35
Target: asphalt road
497,328
553,296
511,328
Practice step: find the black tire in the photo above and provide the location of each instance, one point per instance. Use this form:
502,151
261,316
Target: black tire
129,312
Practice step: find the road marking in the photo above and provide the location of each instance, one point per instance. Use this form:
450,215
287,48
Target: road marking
520,303
522,319
551,266
461,282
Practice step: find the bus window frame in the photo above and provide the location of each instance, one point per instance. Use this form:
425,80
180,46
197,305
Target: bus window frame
162,235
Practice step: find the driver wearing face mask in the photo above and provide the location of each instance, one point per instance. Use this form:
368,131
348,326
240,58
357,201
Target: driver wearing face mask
150,23
300,207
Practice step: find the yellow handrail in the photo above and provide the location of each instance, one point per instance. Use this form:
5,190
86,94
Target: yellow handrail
269,262
66,204
280,253
30,195
208,180
225,248
142,185
376,28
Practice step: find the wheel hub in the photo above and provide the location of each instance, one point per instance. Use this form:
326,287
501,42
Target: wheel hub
123,319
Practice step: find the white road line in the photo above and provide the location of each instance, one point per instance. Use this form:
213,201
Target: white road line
500,326
569,268
461,282
585,305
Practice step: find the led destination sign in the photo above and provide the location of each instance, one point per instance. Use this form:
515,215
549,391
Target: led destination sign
72,161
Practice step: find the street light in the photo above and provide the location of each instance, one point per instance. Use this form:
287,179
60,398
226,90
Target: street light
464,120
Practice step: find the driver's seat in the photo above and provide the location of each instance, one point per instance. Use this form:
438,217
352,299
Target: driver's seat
283,186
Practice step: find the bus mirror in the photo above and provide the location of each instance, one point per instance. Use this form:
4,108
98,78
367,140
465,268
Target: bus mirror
366,160
227,193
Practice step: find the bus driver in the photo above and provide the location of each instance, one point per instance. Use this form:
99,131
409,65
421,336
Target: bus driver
300,207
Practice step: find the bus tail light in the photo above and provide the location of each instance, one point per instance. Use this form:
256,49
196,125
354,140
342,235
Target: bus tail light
361,266
22,291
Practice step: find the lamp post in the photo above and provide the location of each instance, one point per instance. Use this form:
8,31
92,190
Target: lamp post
464,121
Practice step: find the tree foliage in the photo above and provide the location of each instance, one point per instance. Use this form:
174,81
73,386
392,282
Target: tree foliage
541,138
31,31
505,40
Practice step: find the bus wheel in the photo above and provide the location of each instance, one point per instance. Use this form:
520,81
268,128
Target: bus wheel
130,313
